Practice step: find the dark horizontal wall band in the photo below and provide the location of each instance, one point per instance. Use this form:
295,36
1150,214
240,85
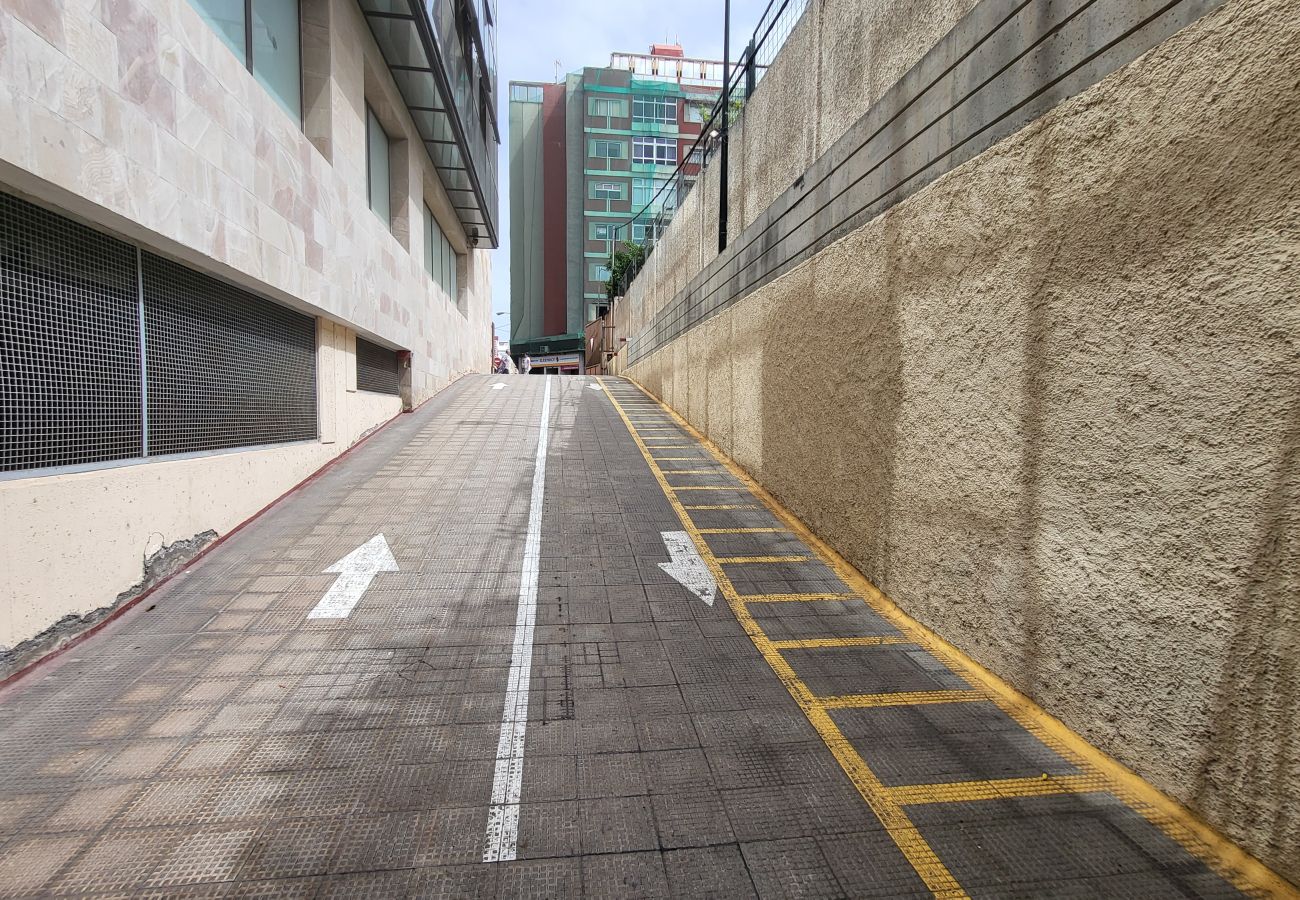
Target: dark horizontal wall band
110,353
69,342
378,368
225,368
1005,64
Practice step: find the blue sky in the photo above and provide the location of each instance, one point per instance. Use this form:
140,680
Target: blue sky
533,34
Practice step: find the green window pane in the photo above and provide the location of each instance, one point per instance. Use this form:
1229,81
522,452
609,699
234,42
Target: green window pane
226,18
429,226
377,167
276,60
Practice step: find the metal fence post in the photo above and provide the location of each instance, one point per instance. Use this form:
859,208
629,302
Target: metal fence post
726,115
751,70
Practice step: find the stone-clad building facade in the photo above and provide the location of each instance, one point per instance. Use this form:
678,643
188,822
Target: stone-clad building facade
231,244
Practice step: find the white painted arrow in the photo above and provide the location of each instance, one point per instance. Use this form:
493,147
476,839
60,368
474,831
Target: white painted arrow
355,571
498,386
687,567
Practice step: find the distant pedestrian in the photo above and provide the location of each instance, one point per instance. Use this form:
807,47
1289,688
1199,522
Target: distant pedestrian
527,365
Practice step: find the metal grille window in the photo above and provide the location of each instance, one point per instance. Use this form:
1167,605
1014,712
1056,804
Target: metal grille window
219,367
69,342
377,368
225,368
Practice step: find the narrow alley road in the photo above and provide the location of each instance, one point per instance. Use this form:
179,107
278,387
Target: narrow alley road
536,640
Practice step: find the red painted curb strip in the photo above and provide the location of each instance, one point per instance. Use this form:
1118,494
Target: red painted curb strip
9,682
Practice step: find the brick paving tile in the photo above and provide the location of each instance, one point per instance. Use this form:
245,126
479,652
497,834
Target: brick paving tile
220,743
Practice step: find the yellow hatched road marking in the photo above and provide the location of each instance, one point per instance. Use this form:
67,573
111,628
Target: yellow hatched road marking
897,698
1202,841
998,789
742,530
918,852
703,487
741,560
831,643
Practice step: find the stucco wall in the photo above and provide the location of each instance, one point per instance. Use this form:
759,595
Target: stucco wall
1051,405
132,116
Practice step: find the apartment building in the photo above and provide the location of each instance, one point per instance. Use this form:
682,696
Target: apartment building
588,157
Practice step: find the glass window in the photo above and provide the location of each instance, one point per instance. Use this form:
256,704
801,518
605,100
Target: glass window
608,149
606,190
652,230
604,106
270,49
661,151
646,189
430,244
378,187
526,93
226,18
599,272
602,231
662,110
694,112
440,258
276,62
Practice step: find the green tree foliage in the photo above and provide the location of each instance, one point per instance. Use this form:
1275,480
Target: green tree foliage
627,262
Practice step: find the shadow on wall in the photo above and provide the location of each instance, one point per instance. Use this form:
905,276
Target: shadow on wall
1255,746
1051,405
831,392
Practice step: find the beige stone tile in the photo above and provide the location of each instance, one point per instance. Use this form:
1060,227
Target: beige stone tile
29,864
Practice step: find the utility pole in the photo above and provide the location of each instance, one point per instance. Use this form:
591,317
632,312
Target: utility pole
726,114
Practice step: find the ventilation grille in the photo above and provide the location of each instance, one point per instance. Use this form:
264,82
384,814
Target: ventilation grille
226,368
223,367
377,368
69,342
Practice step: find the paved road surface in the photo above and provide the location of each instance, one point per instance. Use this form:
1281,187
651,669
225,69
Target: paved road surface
602,667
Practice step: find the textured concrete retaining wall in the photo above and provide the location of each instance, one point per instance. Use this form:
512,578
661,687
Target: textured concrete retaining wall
1059,419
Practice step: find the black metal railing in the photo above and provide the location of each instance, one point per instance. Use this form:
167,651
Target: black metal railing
769,35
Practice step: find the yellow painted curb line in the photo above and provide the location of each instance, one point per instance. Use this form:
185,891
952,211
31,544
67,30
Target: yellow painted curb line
1200,839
